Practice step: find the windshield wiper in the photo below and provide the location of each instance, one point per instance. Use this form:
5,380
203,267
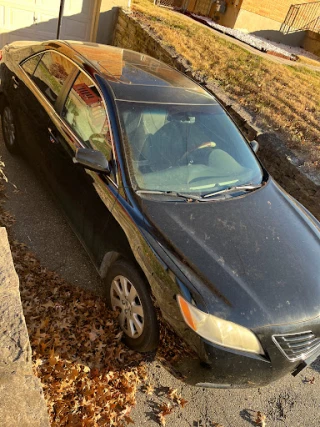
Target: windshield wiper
245,187
170,194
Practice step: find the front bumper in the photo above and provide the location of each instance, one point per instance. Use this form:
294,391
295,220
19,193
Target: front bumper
215,366
218,367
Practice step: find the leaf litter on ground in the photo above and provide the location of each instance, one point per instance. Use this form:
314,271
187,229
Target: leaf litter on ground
260,419
88,375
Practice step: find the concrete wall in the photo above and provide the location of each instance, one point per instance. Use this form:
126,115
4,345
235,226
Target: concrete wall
275,10
279,160
265,27
251,22
108,19
230,17
22,402
312,42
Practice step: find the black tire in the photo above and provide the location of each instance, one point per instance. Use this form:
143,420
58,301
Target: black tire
149,334
9,129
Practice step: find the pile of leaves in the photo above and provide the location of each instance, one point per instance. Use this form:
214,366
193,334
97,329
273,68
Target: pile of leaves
88,375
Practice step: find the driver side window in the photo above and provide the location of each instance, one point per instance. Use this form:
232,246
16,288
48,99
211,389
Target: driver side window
84,111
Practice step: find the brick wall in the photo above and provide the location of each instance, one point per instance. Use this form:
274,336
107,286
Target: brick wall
272,9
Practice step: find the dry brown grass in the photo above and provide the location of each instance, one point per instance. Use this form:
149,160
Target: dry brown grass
309,61
281,97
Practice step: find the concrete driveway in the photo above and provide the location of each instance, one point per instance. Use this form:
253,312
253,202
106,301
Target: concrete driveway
291,402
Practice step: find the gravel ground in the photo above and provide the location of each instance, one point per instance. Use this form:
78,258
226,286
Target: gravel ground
258,42
291,402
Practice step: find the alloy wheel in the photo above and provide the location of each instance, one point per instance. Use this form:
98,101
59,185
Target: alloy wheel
126,300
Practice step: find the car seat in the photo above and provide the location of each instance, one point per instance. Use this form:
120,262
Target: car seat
169,144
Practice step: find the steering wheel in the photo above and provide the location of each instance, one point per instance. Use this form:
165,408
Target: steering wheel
209,144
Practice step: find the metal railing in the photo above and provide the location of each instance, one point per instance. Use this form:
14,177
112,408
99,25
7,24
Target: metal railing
305,16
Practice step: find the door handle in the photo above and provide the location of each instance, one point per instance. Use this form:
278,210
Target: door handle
52,136
15,82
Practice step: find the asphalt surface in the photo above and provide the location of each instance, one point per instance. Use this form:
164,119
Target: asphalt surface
291,402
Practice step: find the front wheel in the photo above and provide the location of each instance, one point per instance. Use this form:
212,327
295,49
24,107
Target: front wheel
9,129
129,294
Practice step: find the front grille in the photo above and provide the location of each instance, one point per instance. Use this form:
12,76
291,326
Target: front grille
297,346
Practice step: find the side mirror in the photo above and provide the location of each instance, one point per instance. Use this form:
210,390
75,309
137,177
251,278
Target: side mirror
254,145
92,159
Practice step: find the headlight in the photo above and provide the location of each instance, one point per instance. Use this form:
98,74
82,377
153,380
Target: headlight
219,331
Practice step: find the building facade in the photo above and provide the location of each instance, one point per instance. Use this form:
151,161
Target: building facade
83,20
247,15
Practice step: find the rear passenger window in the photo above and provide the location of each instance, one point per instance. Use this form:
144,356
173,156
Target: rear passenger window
51,74
30,64
85,113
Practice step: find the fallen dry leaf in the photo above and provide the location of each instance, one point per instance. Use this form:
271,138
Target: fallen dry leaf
176,397
172,394
166,408
162,419
310,380
149,389
260,419
182,402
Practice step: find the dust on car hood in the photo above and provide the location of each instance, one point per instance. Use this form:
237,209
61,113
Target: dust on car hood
260,252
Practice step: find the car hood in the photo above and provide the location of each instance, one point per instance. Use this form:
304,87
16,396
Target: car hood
259,253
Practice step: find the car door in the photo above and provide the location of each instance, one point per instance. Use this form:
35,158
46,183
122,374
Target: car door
25,104
47,73
87,197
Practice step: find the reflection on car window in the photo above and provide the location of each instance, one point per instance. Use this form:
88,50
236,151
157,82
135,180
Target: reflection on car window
185,148
51,73
85,112
30,65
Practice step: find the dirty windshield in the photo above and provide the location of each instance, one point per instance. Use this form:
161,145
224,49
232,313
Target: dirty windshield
194,149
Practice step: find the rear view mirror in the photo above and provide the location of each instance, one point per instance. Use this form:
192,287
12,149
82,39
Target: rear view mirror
254,145
92,159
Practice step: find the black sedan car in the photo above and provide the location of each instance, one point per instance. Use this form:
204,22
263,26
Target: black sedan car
173,207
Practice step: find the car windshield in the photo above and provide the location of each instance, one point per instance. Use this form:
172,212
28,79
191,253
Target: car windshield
194,149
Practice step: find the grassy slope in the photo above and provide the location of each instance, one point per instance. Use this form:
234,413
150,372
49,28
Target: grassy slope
284,98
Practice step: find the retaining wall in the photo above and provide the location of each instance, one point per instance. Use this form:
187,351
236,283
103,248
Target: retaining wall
283,165
21,397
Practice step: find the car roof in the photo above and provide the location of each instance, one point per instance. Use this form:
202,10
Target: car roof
126,72
131,76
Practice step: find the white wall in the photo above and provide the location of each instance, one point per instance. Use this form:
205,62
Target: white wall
108,19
